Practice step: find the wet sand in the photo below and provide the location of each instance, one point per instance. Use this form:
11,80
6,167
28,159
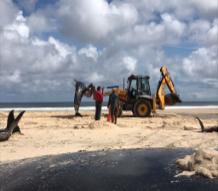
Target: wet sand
51,133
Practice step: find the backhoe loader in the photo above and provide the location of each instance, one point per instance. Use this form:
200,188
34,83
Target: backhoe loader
137,96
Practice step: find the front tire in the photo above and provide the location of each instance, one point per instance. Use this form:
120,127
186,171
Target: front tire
142,108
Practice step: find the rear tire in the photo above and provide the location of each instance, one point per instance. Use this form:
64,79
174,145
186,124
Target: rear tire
142,108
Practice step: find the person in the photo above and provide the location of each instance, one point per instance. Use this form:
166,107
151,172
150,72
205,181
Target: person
98,97
113,105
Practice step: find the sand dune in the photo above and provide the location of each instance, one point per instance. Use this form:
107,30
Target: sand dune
48,133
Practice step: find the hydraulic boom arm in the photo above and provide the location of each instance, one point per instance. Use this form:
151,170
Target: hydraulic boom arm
161,98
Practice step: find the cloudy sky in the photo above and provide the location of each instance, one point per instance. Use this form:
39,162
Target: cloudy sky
45,44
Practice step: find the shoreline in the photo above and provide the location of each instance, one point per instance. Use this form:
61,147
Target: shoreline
91,108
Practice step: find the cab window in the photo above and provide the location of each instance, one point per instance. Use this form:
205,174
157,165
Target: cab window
145,86
133,85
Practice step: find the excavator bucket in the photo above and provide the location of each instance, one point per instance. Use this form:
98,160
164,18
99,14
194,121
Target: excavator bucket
172,99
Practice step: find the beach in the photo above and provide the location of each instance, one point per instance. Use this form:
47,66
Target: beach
59,132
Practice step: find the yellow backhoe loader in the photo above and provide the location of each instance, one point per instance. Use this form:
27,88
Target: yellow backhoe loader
138,99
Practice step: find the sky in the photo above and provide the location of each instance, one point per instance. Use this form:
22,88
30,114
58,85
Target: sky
46,44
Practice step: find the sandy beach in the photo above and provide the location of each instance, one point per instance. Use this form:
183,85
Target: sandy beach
51,133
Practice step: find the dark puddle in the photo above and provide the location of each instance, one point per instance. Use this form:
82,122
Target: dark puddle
135,169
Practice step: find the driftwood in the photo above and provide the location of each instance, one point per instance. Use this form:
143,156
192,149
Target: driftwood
12,126
208,129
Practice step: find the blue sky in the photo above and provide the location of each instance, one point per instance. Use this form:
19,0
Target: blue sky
45,44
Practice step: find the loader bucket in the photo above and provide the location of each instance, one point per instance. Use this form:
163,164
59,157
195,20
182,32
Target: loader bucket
172,99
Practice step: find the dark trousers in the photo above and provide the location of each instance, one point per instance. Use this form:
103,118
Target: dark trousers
114,113
98,110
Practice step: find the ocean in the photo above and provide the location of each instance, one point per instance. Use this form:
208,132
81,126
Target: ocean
85,104
68,106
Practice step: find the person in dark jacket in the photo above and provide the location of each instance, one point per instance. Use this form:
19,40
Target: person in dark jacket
113,105
98,97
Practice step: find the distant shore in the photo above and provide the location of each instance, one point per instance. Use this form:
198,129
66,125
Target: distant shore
91,108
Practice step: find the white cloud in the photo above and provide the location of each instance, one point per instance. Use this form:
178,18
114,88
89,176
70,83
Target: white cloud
89,52
202,63
212,35
90,21
129,63
184,10
208,8
7,12
14,77
62,48
95,77
168,31
41,22
204,32
172,25
17,29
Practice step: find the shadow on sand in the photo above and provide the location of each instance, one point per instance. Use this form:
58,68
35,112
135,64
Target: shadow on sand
69,116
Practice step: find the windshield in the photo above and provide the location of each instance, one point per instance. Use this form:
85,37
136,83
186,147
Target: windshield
144,86
133,84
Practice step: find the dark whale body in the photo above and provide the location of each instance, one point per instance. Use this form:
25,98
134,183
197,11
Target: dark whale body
80,90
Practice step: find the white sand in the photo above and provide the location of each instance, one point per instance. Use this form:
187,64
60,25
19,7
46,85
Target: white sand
47,133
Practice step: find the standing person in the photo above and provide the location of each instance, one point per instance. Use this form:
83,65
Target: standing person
113,105
98,97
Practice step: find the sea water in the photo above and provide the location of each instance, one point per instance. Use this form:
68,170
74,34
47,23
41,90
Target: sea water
66,106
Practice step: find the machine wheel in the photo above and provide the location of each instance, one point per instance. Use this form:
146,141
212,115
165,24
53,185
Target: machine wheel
142,108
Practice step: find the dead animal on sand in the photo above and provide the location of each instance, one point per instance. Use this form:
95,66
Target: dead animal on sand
80,90
208,129
12,126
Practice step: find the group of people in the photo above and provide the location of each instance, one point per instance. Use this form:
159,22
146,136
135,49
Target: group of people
113,104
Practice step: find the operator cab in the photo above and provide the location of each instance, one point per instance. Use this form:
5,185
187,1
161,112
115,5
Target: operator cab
138,85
